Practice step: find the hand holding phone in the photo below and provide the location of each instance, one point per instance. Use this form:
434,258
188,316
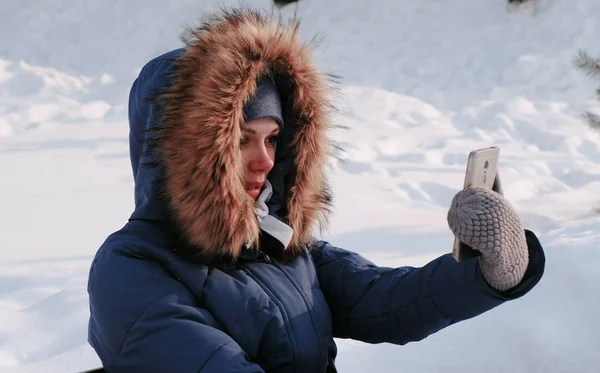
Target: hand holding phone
482,171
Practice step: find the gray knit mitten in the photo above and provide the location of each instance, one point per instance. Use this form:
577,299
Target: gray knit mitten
486,221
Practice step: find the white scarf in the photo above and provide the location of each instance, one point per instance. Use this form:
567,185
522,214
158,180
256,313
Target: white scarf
275,227
261,208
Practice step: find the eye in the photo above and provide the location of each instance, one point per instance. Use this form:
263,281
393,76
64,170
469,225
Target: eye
244,140
273,139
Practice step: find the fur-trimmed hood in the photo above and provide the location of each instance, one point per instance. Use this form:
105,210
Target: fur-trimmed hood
188,167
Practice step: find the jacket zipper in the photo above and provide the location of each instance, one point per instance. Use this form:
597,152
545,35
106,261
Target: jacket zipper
308,308
279,305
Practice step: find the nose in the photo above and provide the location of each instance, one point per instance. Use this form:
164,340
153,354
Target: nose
261,160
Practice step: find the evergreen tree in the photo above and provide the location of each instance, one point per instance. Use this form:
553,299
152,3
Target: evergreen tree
282,3
591,67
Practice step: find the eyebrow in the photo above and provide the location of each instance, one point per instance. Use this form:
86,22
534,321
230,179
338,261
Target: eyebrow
253,131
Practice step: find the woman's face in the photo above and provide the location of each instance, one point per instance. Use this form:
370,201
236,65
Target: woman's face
258,153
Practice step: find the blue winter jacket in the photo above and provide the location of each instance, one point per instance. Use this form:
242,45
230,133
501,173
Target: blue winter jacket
178,289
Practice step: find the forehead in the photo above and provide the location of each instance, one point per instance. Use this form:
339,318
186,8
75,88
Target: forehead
264,125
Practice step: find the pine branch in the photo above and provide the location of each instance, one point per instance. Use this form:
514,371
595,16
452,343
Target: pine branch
593,121
590,66
516,4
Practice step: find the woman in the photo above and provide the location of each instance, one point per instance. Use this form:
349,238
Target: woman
217,269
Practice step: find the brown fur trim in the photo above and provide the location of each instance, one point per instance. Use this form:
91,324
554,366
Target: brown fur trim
200,133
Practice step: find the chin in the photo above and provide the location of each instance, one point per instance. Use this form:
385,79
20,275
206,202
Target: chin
254,193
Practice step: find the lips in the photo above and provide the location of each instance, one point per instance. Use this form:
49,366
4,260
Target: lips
253,189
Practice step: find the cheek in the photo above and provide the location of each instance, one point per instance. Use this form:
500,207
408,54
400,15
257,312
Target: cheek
245,159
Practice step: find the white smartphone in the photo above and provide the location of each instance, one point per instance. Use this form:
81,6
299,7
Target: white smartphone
482,171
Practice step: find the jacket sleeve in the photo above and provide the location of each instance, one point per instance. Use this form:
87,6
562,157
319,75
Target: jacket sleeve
144,320
378,304
171,336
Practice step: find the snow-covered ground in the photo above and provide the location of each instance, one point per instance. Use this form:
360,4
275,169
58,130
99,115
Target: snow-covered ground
423,84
